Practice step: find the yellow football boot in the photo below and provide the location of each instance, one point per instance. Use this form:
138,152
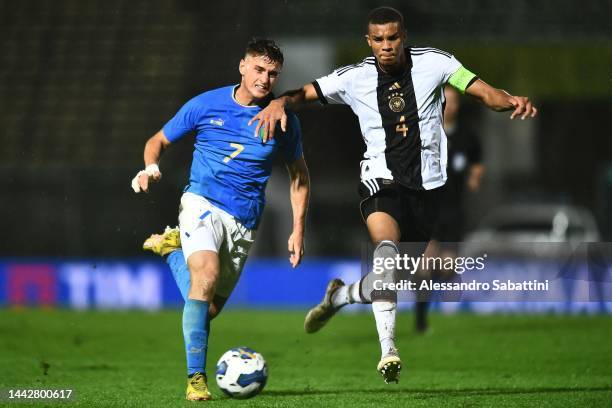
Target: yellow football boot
197,388
163,244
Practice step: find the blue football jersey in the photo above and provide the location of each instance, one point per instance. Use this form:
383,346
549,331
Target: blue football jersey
231,166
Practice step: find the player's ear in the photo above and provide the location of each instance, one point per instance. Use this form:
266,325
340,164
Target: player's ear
367,37
242,67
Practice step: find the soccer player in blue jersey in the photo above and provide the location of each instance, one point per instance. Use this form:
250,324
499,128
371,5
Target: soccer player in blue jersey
224,199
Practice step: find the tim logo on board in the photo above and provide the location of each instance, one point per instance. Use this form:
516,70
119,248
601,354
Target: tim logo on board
112,285
84,285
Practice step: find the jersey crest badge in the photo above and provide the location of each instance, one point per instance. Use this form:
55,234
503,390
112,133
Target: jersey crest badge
396,102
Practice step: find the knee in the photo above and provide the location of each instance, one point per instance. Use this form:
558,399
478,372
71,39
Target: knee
203,270
384,255
201,263
386,248
203,280
203,267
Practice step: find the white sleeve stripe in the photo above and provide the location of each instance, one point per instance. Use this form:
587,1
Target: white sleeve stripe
367,61
346,69
368,187
422,49
372,185
430,51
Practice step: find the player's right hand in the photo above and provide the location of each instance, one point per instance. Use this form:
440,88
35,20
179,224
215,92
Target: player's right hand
267,119
523,107
142,179
295,245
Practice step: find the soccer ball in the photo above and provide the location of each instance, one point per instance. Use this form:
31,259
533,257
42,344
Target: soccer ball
241,372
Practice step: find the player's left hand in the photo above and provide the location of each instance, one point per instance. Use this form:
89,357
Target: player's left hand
267,119
295,245
522,107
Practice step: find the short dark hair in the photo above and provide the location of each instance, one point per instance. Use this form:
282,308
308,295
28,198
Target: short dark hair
384,15
266,48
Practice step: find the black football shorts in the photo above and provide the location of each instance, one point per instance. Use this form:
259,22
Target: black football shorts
416,211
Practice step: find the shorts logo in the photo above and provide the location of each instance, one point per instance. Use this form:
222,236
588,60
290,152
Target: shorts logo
218,122
396,102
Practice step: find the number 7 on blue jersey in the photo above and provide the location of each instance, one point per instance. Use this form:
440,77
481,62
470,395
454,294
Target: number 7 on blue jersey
239,148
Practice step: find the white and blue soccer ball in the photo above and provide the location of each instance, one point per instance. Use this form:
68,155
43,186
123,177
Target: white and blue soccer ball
241,372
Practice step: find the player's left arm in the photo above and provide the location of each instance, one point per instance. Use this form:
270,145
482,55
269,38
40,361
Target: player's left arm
299,192
476,167
476,172
500,100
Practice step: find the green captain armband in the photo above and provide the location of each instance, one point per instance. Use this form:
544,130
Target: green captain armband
461,79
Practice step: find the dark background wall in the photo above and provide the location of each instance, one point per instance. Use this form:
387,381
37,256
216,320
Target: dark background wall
84,84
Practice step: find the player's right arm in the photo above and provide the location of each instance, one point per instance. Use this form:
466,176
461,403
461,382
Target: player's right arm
152,152
468,83
182,123
273,113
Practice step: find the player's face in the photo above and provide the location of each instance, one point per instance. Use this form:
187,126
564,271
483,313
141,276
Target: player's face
259,75
387,44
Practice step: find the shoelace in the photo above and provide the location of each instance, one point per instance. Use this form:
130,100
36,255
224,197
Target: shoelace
198,381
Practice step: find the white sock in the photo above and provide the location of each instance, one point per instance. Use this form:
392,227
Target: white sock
384,313
340,297
354,295
347,294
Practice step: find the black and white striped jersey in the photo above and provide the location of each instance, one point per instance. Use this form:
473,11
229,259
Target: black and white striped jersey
400,116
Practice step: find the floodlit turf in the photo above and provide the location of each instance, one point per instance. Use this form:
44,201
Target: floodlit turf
136,359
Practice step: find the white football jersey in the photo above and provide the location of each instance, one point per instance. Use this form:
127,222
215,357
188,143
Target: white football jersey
400,116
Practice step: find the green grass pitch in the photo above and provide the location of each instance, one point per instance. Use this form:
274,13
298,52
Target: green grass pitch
136,359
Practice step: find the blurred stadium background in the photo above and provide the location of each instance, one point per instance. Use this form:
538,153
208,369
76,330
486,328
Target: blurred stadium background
83,84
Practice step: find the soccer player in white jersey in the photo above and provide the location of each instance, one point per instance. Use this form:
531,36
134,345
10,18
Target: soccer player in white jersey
397,95
223,202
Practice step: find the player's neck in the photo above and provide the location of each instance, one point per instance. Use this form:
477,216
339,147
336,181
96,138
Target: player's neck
244,98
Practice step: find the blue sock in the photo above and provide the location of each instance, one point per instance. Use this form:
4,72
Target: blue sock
195,331
180,271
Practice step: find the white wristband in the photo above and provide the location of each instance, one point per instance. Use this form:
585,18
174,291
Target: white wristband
151,169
